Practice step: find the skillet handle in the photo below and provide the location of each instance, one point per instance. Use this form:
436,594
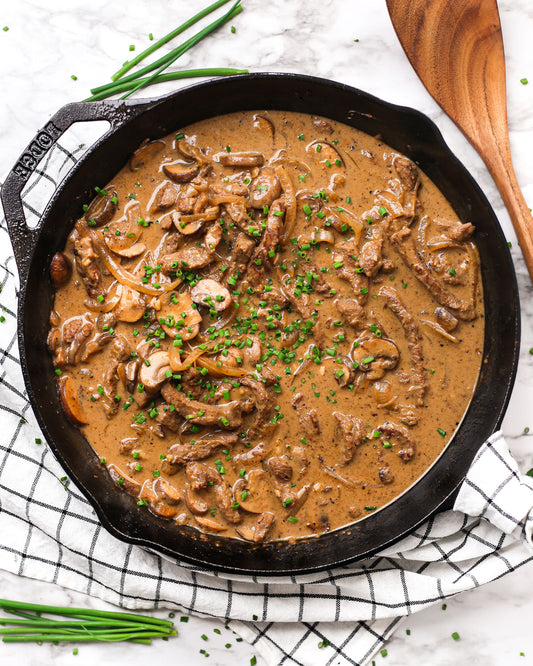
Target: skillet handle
22,237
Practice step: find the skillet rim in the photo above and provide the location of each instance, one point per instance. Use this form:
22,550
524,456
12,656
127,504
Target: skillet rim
130,113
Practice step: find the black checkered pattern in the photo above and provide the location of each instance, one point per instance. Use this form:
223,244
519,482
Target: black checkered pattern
48,531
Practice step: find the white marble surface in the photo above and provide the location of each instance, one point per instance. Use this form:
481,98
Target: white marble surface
47,42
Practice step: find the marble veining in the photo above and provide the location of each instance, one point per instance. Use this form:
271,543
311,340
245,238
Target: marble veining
351,41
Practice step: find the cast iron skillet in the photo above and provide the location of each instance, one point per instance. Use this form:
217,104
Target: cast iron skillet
131,122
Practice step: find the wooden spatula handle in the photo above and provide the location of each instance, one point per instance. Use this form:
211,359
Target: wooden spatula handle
517,207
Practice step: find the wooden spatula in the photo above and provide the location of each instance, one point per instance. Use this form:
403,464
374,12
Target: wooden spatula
456,48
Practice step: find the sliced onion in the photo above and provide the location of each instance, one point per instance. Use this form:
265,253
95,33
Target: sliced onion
207,215
108,303
177,364
119,273
223,370
228,198
438,328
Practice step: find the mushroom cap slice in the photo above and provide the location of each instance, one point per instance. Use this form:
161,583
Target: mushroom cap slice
103,207
210,524
146,151
177,315
211,293
70,399
60,269
325,153
131,305
167,491
181,172
245,159
259,491
153,376
123,480
124,233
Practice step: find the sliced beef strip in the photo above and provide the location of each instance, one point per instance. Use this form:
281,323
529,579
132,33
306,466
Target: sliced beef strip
407,172
181,454
120,353
350,271
414,341
370,259
202,476
308,418
260,258
87,267
226,416
281,468
74,337
457,231
353,434
403,243
354,313
264,404
172,420
402,437
263,525
192,258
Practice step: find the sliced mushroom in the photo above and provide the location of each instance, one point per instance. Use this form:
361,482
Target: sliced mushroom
103,207
166,490
127,373
265,125
257,532
210,524
147,151
325,153
446,319
131,306
264,189
344,372
70,399
147,493
152,376
195,503
181,172
123,480
211,293
122,235
60,269
178,316
258,492
375,355
245,159
163,509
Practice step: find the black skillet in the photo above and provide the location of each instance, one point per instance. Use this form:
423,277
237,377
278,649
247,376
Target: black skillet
402,128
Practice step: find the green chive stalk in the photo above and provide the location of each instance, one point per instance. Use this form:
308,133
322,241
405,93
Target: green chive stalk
167,38
166,60
236,9
121,86
83,625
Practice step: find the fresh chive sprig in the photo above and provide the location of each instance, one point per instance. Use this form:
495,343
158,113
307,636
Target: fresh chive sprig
84,625
121,86
137,80
167,38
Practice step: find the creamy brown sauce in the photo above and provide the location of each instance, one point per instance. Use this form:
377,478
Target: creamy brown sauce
269,325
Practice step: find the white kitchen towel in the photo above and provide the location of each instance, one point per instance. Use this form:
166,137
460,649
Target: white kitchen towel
49,531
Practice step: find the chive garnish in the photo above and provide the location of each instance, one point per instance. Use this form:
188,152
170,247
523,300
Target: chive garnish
82,625
135,80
